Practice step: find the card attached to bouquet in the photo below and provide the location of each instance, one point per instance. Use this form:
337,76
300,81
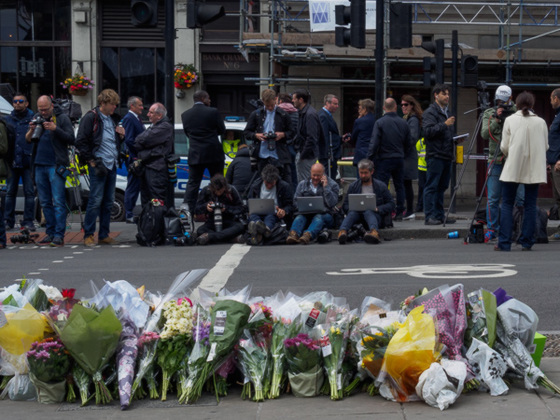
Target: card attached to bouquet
312,318
220,323
212,352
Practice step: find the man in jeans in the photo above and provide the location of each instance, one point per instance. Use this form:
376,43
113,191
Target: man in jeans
320,185
50,161
98,143
17,124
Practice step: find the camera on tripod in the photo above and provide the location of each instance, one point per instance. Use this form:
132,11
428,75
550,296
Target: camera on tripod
39,129
507,111
24,237
270,140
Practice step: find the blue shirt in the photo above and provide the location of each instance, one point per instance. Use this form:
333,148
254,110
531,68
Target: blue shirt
268,127
45,152
108,152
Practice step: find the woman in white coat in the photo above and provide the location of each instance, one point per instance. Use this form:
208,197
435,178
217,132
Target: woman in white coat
524,143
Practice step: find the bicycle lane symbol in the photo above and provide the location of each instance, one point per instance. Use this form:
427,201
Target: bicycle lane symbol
443,271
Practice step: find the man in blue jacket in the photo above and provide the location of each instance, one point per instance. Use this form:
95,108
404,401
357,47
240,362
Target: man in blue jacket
366,184
17,124
330,144
438,135
133,126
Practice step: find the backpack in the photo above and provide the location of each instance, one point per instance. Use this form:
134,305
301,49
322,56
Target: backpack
175,233
68,107
541,233
151,225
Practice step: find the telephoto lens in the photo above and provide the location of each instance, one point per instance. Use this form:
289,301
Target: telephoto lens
218,218
172,173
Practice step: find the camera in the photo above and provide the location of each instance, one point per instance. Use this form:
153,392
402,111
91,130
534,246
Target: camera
38,131
356,233
24,237
218,221
270,140
184,240
507,111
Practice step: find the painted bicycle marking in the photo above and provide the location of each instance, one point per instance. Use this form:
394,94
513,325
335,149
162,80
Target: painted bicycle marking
453,271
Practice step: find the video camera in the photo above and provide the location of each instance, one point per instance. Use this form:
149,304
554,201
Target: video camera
270,140
507,111
38,132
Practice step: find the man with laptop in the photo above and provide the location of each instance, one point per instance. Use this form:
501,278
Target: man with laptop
368,200
270,200
315,199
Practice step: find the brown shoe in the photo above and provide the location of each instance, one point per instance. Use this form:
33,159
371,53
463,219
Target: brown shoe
89,241
292,238
305,238
342,237
107,241
372,237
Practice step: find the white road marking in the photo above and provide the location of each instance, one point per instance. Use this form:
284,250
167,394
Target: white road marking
77,252
68,258
57,261
33,273
43,269
218,276
441,271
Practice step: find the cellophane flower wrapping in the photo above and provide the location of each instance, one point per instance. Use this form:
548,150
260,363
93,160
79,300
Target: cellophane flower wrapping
92,338
442,383
481,317
191,390
304,364
489,367
284,326
60,310
126,360
22,326
175,339
49,363
19,386
410,352
254,358
35,293
147,345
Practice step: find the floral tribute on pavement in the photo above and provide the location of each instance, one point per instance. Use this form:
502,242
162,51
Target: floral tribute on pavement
127,343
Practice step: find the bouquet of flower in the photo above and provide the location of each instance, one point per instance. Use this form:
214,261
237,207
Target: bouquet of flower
22,327
92,337
37,294
60,311
303,357
254,358
77,83
185,76
126,361
49,363
175,338
16,383
147,345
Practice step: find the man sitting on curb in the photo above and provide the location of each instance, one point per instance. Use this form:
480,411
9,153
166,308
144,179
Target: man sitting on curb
374,219
319,185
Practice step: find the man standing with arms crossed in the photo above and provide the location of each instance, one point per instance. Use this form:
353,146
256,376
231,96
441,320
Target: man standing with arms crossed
438,134
133,126
203,125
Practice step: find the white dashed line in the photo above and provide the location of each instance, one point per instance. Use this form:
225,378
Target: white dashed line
68,257
57,261
43,269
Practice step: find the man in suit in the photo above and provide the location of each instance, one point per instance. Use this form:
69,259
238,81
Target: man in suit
133,126
202,125
308,134
329,145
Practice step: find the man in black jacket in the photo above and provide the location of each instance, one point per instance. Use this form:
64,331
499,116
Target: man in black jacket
330,143
99,142
50,163
308,134
269,185
153,146
438,136
203,125
390,141
270,128
366,184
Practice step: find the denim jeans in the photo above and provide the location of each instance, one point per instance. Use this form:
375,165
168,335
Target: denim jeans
494,192
372,219
131,194
11,193
421,185
100,202
51,190
437,181
385,169
2,225
269,220
527,238
318,222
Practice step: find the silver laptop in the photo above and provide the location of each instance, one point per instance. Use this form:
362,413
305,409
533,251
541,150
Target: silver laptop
362,202
311,205
261,206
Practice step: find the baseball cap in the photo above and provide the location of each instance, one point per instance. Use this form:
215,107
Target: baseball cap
503,93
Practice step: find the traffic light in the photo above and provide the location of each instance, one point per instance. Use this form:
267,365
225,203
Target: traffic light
144,13
355,15
469,71
434,66
199,13
400,29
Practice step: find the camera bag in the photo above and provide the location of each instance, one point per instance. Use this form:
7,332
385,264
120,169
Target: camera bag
151,225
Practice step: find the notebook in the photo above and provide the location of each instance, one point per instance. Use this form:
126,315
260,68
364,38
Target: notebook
261,206
362,202
311,205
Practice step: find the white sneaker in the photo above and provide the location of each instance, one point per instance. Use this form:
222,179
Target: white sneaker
411,216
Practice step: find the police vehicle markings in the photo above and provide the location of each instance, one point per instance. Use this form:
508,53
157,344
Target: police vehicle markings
453,271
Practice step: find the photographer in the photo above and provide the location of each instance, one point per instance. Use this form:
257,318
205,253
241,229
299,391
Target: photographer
491,130
222,207
51,135
270,128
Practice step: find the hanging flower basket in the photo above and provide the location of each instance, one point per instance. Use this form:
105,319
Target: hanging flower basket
185,76
78,85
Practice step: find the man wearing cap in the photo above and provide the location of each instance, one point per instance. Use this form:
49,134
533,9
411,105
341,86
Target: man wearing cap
491,130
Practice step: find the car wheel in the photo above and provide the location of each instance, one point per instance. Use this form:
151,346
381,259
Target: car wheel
117,212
